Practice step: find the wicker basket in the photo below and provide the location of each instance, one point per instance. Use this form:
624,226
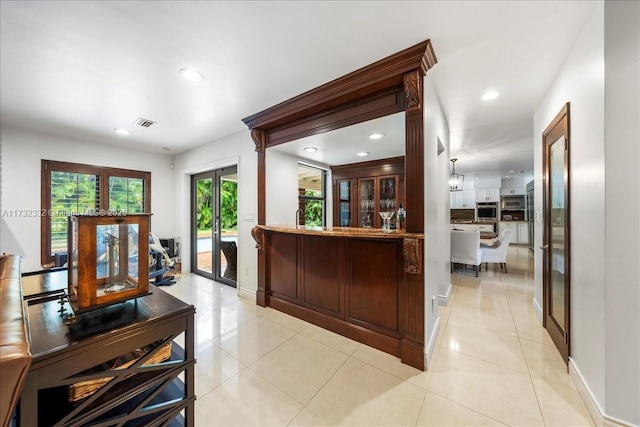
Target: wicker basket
82,389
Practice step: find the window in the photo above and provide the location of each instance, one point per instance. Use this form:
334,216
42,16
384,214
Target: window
69,188
311,195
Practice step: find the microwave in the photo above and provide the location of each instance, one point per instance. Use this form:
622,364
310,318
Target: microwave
487,211
512,202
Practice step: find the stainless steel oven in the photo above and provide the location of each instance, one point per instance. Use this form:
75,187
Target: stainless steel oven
487,211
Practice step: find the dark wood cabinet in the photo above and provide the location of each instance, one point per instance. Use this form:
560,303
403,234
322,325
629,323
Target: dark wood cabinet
363,190
365,284
146,391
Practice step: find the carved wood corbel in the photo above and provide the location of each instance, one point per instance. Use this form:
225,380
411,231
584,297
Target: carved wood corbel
412,253
259,139
413,91
258,235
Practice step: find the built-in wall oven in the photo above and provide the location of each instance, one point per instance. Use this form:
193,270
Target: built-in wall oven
487,211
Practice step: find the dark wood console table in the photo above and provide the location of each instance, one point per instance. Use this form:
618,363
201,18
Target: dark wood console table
140,394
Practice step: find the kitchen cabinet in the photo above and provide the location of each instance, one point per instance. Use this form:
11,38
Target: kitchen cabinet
523,233
513,191
483,228
375,195
488,195
363,190
465,199
519,231
345,192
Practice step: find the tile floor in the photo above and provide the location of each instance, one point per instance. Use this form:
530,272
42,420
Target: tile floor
493,365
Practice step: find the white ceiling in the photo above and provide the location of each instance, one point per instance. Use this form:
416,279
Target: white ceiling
82,69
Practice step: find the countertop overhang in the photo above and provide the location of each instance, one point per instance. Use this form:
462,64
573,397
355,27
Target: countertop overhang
350,232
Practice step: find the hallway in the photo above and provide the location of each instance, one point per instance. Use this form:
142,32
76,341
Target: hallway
494,364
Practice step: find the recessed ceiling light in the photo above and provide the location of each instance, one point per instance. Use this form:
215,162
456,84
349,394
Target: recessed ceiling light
506,176
122,131
490,95
376,135
511,171
310,149
362,154
191,75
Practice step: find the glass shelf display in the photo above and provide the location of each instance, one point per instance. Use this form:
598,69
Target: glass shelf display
109,259
344,198
367,202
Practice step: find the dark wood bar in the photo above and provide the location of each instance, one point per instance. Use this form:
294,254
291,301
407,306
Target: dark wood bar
360,283
364,283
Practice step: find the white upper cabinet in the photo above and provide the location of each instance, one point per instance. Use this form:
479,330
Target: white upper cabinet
465,199
488,195
513,191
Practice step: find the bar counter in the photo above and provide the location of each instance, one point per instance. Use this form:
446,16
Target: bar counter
354,232
365,284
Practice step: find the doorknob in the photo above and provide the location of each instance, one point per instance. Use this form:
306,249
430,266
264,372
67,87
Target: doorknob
545,247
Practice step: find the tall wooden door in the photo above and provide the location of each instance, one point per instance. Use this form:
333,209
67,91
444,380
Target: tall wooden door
556,223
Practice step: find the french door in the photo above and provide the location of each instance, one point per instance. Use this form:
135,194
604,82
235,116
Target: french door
556,241
214,224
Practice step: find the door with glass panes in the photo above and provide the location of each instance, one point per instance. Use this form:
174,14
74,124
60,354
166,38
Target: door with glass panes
214,224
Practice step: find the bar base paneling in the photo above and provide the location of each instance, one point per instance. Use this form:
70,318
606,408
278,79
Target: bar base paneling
354,282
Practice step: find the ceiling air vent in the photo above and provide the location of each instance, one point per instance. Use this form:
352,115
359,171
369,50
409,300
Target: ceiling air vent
145,123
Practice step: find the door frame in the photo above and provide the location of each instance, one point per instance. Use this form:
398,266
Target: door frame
559,126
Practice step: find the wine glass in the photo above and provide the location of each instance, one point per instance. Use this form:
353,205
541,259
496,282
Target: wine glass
386,217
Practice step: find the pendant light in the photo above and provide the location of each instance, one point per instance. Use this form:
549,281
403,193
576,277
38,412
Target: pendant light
456,180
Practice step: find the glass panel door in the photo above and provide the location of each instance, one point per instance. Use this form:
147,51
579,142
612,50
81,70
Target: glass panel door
344,198
556,241
215,225
557,237
226,237
203,224
367,200
387,200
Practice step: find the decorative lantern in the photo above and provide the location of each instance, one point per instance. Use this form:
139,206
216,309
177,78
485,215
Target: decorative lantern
108,259
455,180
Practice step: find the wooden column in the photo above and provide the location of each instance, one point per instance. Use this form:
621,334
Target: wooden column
260,139
414,155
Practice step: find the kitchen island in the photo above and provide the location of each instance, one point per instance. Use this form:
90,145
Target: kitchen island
365,284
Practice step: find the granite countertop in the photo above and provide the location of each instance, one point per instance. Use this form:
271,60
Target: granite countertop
465,221
356,232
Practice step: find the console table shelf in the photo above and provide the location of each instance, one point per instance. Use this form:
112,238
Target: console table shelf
159,393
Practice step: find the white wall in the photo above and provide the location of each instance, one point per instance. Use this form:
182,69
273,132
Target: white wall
436,212
237,149
622,200
20,185
281,188
581,82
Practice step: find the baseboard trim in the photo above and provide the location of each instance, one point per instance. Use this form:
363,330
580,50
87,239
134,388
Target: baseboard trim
444,299
600,418
431,345
538,310
244,293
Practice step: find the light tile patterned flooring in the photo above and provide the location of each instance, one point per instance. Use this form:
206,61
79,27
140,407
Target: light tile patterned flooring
494,364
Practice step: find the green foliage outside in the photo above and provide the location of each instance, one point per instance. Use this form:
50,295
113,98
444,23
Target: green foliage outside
228,208
313,209
70,193
77,193
126,194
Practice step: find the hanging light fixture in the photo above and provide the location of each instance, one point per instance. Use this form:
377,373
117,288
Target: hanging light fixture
456,180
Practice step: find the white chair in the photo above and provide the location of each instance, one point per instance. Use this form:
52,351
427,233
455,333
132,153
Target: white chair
498,251
465,248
